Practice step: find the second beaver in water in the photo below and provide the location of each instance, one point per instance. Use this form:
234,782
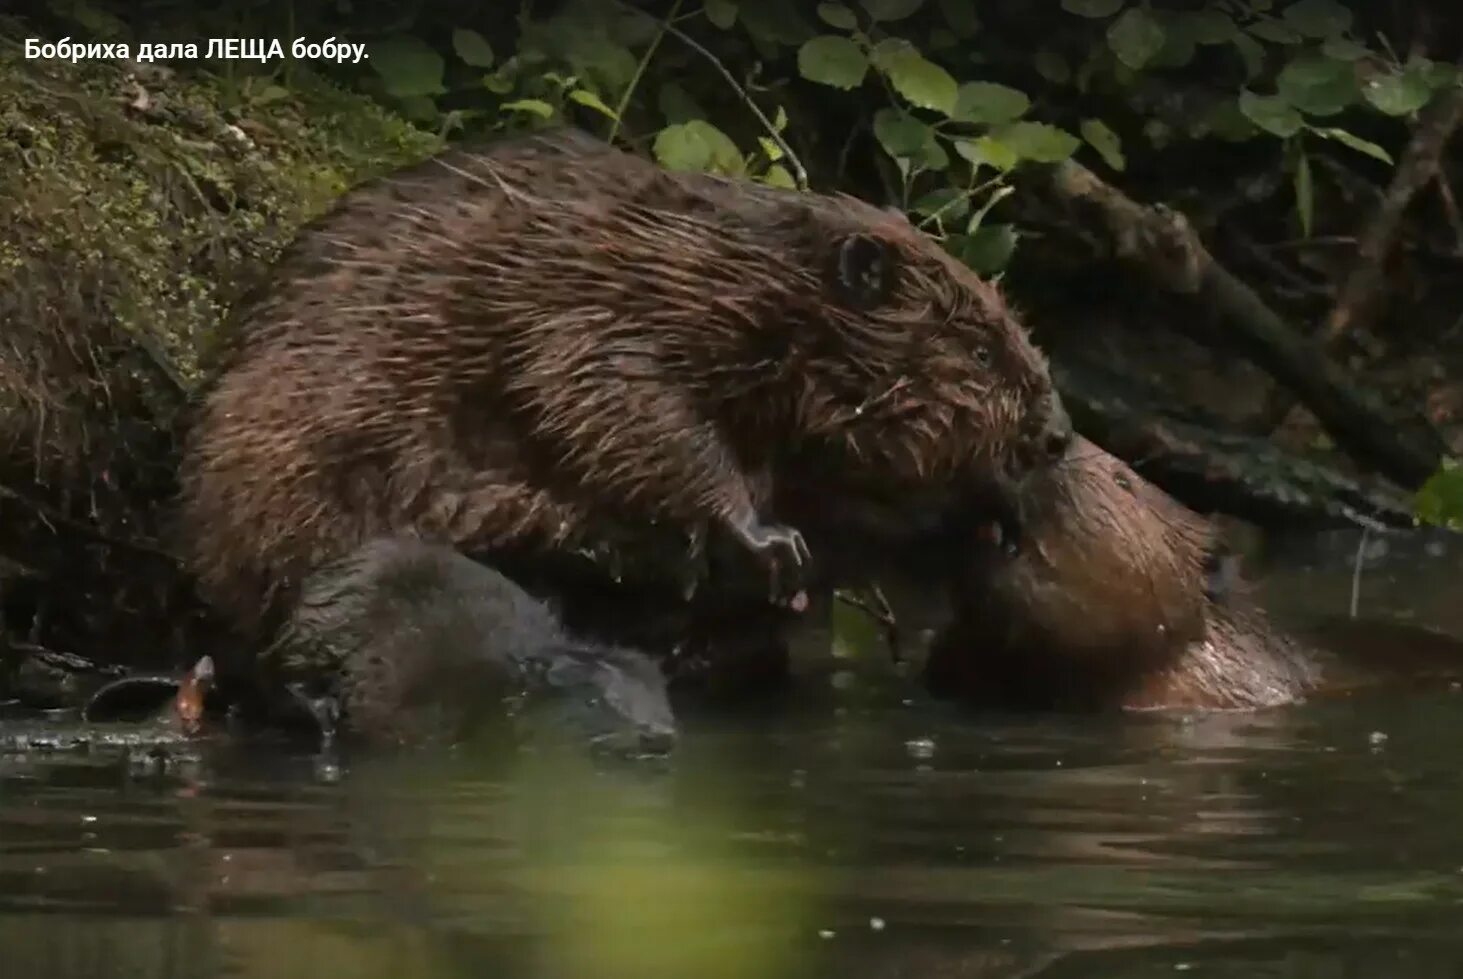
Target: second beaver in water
406,642
1106,600
517,345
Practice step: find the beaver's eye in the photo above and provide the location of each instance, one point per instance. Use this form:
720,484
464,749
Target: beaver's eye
983,356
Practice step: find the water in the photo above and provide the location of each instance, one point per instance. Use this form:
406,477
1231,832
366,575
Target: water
863,832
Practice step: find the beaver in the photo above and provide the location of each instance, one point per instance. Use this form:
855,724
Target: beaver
1114,595
542,342
402,641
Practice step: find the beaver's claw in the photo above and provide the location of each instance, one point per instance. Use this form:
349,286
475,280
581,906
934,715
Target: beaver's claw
785,552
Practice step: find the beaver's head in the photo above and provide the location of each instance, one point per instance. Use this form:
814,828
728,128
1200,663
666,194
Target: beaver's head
922,369
1107,577
614,699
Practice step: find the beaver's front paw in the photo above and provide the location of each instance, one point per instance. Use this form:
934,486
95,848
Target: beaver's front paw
785,553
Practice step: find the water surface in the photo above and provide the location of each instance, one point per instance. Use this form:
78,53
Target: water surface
859,832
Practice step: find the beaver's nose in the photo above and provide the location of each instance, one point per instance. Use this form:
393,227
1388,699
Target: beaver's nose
1057,433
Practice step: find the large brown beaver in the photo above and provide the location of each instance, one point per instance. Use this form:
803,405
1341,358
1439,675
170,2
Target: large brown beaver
1106,600
518,345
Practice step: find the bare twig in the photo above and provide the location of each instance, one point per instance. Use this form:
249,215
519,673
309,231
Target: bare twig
800,173
877,608
1364,286
1450,210
665,26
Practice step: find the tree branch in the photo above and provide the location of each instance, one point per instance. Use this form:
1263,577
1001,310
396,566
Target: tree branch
1161,243
1363,288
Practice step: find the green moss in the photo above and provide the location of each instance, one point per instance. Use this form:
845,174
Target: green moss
136,207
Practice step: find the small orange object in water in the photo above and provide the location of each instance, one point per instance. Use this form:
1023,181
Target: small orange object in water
191,693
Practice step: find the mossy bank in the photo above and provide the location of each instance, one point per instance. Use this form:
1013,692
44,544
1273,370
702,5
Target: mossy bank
136,203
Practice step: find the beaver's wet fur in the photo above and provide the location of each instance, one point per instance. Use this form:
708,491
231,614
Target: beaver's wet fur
1107,600
519,346
403,642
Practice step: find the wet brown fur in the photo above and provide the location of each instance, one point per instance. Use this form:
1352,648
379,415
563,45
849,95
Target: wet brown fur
511,346
1103,605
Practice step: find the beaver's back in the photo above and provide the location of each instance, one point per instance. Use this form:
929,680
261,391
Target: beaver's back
511,345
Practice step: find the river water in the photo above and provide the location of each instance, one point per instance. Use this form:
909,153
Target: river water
856,830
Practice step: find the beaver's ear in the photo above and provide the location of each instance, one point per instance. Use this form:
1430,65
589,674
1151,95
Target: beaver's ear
864,270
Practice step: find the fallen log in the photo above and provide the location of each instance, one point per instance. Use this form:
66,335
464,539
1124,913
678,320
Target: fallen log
1161,244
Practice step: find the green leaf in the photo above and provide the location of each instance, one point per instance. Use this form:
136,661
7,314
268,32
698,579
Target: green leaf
1251,53
697,146
961,17
535,107
721,13
1211,26
901,134
1399,94
1052,66
589,100
1440,500
498,82
948,204
1356,143
1135,37
910,142
770,149
891,10
777,176
933,156
922,82
1344,49
833,60
472,48
1305,199
1105,142
989,104
987,152
408,66
988,250
1037,141
1317,18
838,15
1317,85
1274,31
1095,9
1271,113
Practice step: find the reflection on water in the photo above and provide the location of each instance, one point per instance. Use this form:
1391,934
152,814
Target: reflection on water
862,836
